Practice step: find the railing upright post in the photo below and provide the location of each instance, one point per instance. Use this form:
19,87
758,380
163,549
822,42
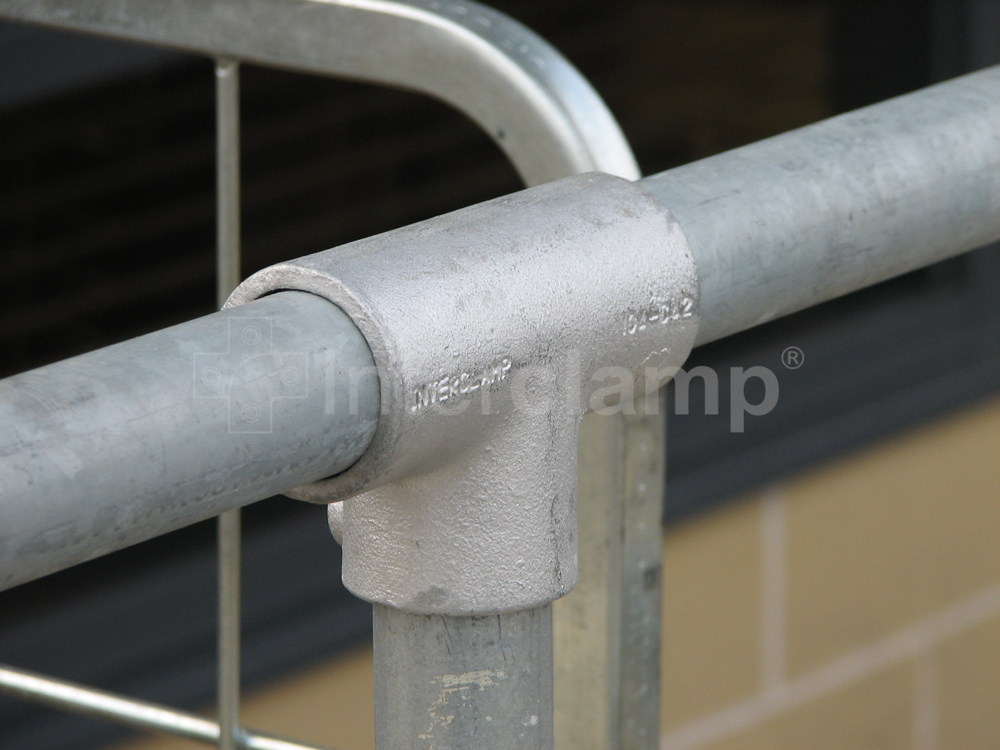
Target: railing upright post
463,682
607,630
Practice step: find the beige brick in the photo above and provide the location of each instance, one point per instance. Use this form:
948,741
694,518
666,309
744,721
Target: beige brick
882,539
711,612
332,705
874,714
968,669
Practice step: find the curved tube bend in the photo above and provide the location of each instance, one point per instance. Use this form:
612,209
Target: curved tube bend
537,107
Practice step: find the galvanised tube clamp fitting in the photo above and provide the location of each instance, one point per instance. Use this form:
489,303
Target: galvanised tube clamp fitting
492,328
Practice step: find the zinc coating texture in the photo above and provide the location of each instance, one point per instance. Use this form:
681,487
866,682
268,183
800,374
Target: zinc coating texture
544,115
445,683
773,227
795,220
487,326
134,440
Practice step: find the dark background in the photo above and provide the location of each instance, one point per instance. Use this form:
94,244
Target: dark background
107,232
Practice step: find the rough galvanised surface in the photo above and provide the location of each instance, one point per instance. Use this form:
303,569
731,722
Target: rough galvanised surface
806,216
487,326
134,440
469,683
536,106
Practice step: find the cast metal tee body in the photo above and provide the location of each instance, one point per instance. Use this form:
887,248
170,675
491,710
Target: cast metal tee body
488,326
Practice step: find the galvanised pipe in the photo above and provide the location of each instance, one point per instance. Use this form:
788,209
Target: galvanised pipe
86,467
529,99
132,441
536,106
463,682
801,218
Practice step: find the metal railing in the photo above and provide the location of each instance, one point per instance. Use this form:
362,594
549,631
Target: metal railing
524,94
712,248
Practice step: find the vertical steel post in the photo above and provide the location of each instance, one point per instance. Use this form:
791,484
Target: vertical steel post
227,122
607,630
644,487
465,683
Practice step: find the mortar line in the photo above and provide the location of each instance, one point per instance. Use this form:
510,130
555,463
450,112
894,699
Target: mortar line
925,702
906,643
773,645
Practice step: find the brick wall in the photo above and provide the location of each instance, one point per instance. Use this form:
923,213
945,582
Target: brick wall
856,606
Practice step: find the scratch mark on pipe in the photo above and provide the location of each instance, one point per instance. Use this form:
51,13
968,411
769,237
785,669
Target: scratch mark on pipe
455,691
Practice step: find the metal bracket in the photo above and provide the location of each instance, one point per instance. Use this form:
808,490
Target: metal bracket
492,329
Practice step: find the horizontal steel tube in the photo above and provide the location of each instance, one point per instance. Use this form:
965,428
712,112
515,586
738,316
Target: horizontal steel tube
128,442
801,218
110,448
99,704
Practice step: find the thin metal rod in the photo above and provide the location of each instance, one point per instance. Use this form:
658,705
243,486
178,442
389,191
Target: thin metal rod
98,704
228,684
227,173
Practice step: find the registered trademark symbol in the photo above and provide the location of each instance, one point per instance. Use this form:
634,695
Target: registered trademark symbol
793,358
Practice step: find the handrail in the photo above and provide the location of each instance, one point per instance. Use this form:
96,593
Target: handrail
104,450
792,221
919,182
535,105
